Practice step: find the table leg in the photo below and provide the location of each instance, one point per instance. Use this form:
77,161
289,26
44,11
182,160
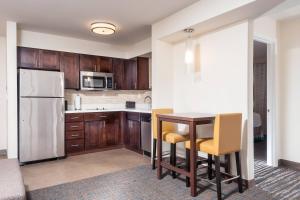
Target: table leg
159,148
193,159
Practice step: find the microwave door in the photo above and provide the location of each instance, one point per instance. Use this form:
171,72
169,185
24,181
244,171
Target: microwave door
93,82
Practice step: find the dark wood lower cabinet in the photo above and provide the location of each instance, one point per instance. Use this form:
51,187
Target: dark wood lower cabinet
92,134
88,132
102,131
133,135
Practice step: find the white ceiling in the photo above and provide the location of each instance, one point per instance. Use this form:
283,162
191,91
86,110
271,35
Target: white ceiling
286,10
73,17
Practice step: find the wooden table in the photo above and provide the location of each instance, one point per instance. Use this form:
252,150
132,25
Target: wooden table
192,120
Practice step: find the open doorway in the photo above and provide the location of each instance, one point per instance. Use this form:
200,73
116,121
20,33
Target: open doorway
260,103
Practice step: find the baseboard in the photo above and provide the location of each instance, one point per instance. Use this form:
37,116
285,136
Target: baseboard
289,164
3,152
249,183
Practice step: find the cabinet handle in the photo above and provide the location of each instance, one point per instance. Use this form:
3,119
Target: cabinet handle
115,85
102,116
135,86
74,117
75,145
74,126
95,68
75,135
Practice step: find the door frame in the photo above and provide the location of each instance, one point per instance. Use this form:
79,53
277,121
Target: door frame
272,158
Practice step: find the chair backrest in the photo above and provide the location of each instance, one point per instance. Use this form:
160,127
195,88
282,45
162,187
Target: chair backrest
227,133
166,126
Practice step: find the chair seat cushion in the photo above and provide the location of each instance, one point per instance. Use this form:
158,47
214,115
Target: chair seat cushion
11,182
198,141
208,147
172,137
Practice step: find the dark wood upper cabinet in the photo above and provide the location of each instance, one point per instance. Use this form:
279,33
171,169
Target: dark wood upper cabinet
69,64
143,73
130,78
118,71
129,74
27,57
49,60
38,59
88,63
104,64
137,74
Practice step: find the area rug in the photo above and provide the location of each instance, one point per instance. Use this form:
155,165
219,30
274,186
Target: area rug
139,183
282,183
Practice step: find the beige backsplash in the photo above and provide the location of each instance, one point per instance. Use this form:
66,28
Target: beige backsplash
106,97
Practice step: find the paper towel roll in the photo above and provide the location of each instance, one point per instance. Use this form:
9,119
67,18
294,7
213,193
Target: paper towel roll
77,102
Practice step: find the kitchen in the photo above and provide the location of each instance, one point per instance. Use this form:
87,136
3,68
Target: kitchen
107,103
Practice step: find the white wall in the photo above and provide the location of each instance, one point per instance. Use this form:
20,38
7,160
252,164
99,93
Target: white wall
3,95
289,95
68,44
12,114
224,77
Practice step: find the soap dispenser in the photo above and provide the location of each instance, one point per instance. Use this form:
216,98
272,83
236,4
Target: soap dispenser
77,102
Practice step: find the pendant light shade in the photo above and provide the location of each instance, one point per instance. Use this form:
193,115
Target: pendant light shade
189,51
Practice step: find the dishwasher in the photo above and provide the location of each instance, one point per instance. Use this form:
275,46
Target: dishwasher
146,133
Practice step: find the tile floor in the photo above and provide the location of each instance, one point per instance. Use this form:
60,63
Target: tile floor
74,168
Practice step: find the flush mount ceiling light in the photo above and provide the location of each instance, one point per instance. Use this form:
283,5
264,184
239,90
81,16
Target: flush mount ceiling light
103,28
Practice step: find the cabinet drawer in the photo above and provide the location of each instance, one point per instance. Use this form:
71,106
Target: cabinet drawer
74,117
133,116
97,116
75,145
71,135
76,126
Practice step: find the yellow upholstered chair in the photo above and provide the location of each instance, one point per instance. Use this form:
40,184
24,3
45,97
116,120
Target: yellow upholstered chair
226,140
169,135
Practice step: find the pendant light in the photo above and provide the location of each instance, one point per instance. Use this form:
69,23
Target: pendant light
189,51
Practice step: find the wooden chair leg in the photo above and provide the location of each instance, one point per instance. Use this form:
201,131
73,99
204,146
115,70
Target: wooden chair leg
154,154
173,158
187,166
209,167
238,170
218,177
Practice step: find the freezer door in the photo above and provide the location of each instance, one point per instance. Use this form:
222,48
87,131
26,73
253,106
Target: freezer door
36,83
41,129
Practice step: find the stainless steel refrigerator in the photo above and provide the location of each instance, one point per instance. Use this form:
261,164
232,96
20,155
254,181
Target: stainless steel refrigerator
41,115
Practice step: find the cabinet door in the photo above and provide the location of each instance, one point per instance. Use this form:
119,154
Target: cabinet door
118,70
143,73
130,74
49,60
104,64
88,63
92,134
69,64
133,139
27,57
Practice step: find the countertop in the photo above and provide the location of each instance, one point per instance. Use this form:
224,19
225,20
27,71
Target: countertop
109,110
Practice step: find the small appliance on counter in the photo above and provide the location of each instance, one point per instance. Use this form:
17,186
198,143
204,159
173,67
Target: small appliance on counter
77,102
66,105
130,104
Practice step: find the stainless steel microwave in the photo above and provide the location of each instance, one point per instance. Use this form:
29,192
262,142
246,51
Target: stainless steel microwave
96,81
